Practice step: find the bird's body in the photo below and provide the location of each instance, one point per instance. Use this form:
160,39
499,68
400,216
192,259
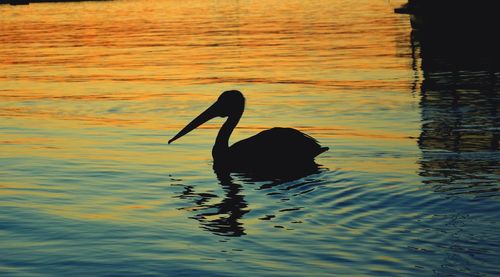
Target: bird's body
273,147
276,148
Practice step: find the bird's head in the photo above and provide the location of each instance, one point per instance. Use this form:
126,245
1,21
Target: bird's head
230,103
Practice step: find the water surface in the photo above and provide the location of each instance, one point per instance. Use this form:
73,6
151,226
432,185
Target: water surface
92,91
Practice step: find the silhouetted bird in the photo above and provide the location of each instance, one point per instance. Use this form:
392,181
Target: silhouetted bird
276,149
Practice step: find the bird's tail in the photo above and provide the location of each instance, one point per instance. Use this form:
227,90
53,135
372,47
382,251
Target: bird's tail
323,149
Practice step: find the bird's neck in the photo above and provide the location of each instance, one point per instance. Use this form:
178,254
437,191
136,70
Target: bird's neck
221,146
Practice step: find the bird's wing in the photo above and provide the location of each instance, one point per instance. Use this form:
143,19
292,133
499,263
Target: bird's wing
278,142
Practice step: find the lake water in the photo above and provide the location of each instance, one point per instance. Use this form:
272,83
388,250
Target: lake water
92,91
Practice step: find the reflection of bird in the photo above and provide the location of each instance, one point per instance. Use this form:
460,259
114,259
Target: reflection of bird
280,148
219,217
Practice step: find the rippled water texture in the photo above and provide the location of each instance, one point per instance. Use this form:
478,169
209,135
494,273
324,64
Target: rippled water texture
92,91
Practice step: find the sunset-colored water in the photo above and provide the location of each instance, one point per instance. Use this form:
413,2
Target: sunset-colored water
92,91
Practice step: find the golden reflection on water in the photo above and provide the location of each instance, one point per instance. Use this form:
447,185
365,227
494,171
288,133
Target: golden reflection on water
153,65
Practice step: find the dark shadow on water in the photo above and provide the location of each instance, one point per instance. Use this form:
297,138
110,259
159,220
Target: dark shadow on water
459,107
224,217
276,174
456,69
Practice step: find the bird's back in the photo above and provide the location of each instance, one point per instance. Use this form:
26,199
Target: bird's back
275,147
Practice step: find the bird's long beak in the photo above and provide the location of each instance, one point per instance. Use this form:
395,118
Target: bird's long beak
205,116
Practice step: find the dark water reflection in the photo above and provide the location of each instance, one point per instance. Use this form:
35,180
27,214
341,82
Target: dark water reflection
224,217
221,218
460,119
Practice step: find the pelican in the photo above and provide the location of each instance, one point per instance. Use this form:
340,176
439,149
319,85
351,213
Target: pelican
283,148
